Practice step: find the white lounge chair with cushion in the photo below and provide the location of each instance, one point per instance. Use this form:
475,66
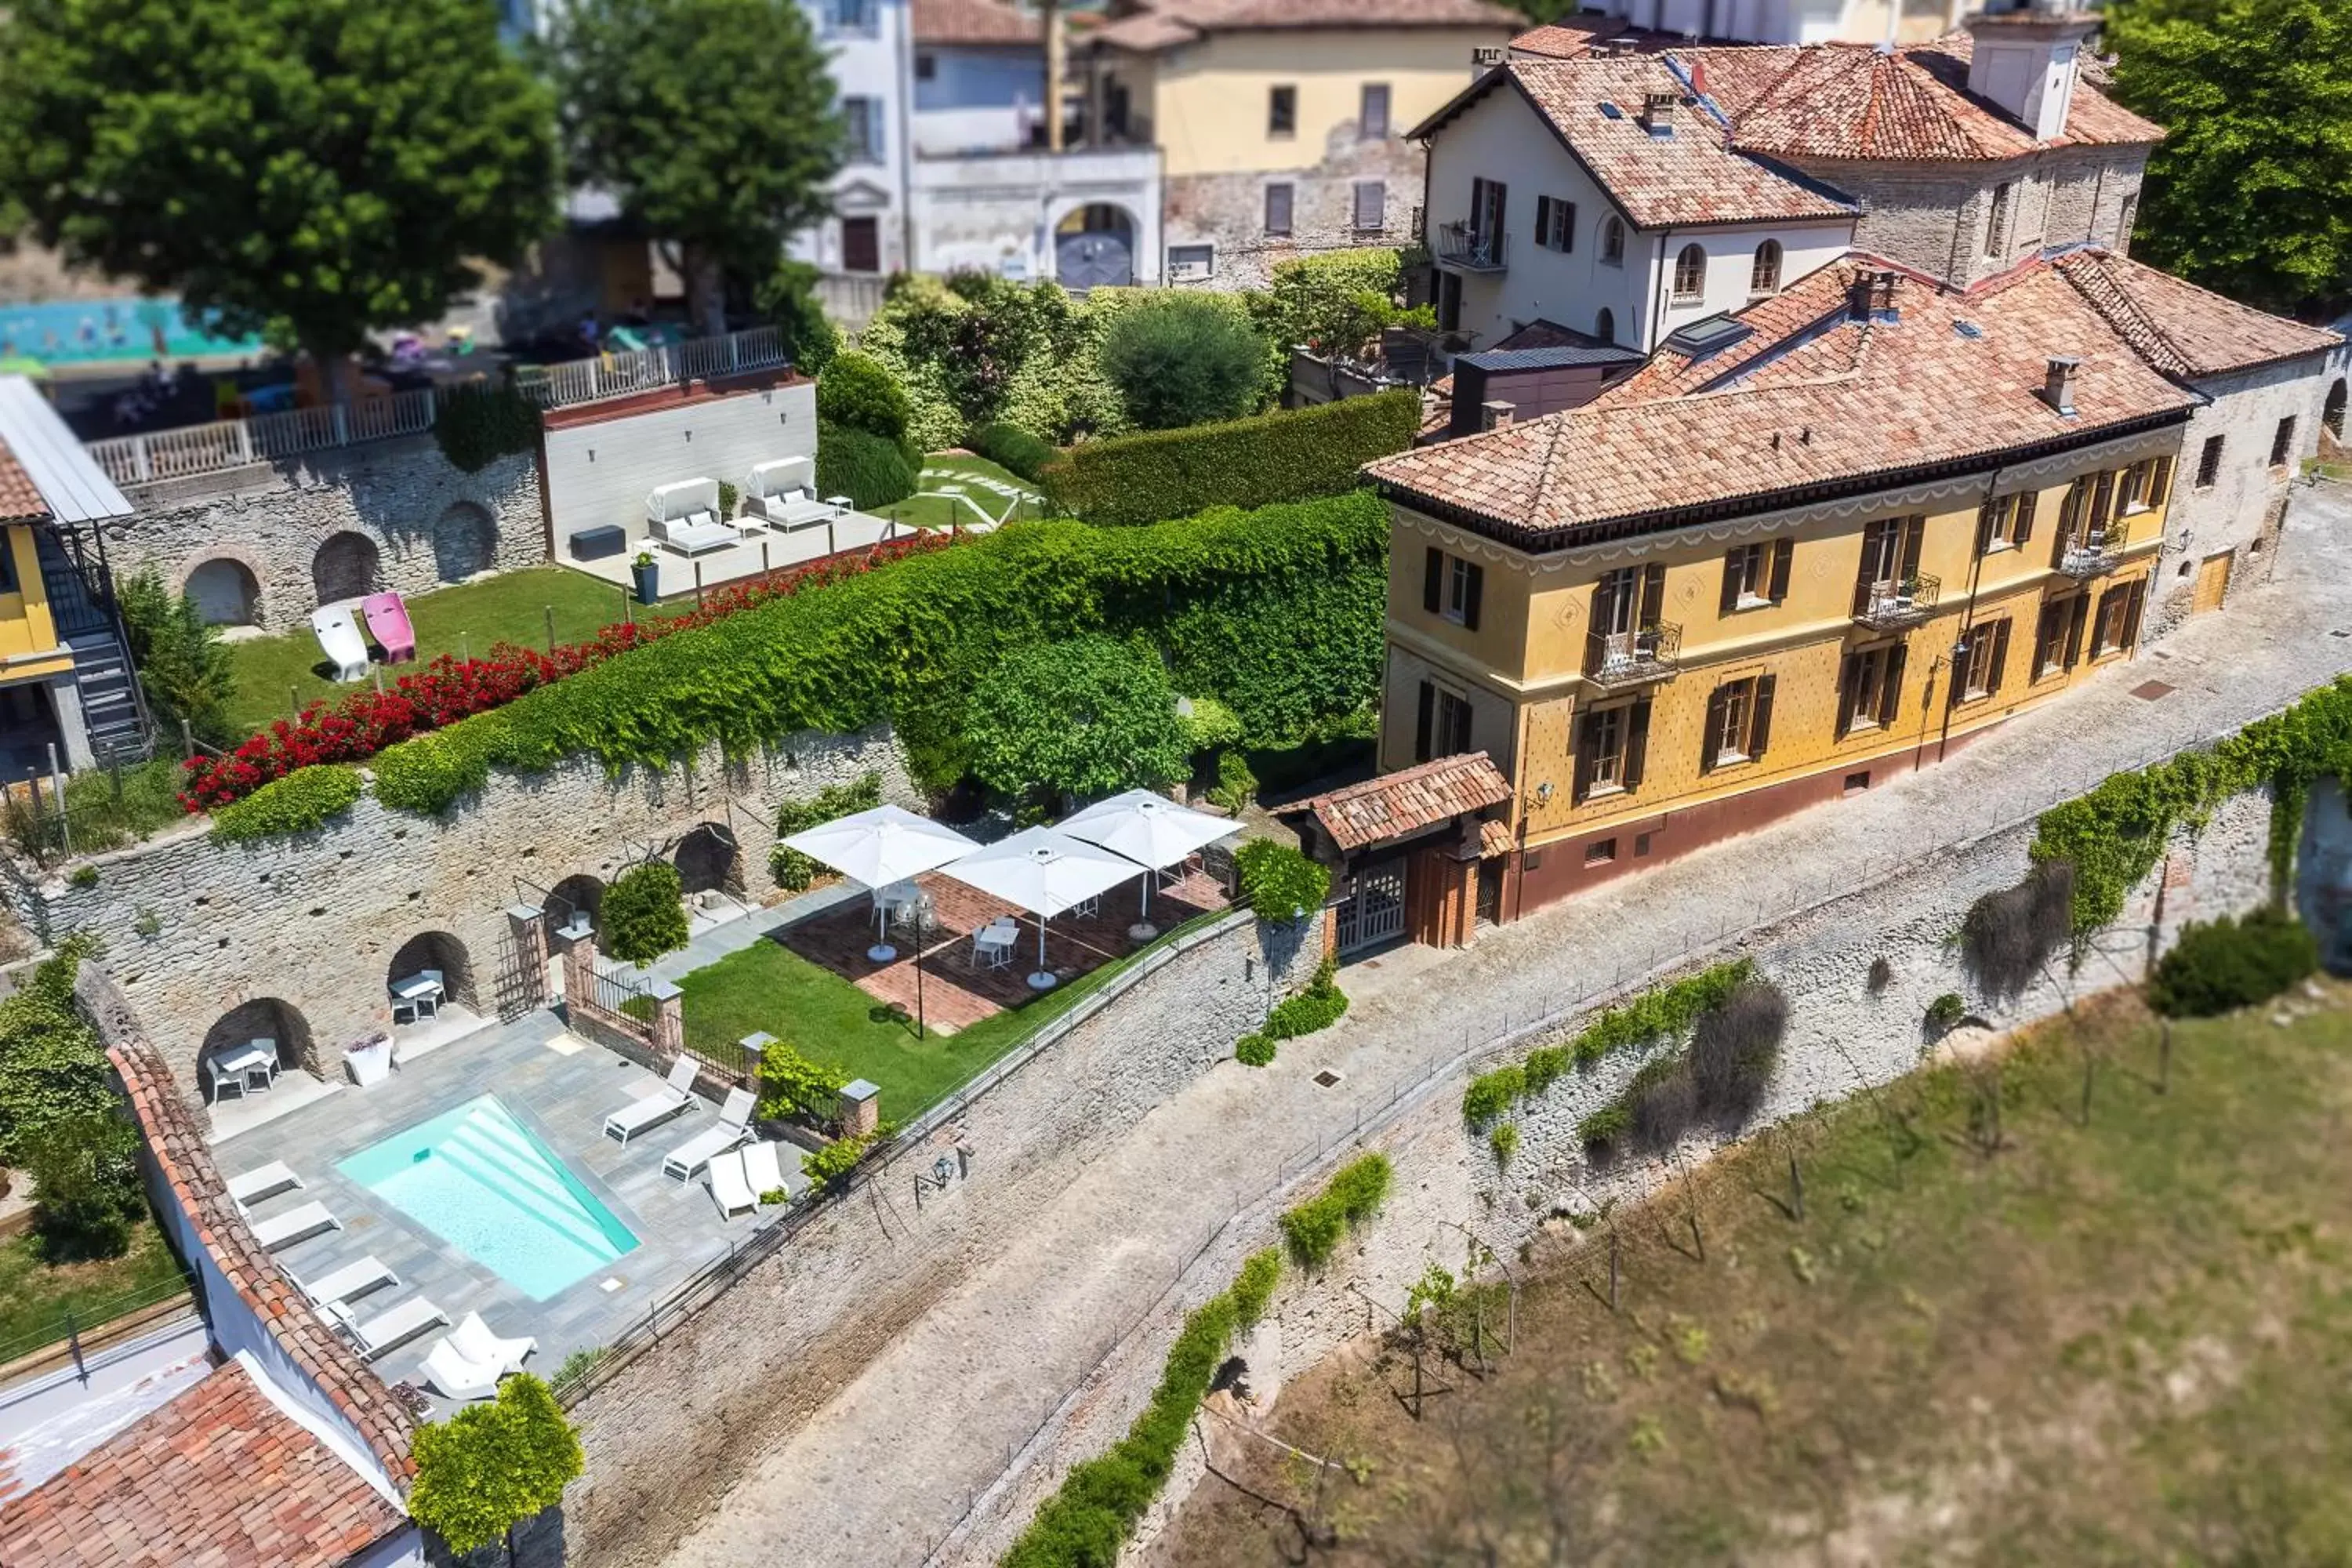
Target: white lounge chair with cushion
262,1182
370,1273
763,1171
730,1189
674,1097
685,516
468,1362
783,494
295,1224
733,1131
388,1329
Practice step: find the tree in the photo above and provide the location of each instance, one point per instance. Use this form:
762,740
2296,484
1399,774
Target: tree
1184,358
86,1193
185,669
491,1466
713,121
52,1068
2250,191
789,302
311,169
645,913
858,391
1088,716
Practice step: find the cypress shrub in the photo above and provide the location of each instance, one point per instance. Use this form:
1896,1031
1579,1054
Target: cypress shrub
871,471
644,913
2221,966
1286,454
858,392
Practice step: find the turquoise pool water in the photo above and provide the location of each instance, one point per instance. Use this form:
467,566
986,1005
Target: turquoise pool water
479,1180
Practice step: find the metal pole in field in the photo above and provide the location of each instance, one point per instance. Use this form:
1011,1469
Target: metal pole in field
550,610
920,1022
58,783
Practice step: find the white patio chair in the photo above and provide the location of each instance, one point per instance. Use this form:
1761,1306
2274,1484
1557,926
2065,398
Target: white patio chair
262,1182
733,1131
764,1169
730,1188
370,1273
473,1339
295,1224
992,944
388,1329
675,1097
456,1377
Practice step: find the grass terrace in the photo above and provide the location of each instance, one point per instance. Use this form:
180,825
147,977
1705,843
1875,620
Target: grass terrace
35,1295
1002,495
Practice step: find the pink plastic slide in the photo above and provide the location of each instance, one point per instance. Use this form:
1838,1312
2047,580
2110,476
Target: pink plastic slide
387,618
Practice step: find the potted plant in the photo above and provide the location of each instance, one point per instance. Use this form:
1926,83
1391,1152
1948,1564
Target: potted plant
646,572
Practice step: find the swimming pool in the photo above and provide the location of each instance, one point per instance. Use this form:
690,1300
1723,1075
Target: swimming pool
479,1180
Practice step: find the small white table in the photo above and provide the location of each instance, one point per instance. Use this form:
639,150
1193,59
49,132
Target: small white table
419,994
240,1064
991,945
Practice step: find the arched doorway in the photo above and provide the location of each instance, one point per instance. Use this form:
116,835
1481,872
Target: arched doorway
263,1019
347,566
1094,247
708,860
583,895
465,540
439,953
224,592
2331,414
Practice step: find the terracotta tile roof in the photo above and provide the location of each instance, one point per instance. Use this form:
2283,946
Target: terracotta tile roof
975,22
1544,333
1855,100
1167,23
1494,838
1573,37
20,499
219,1477
1693,177
1810,397
185,1161
1395,805
2180,329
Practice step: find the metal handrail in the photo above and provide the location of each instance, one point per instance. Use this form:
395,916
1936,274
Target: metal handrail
1647,653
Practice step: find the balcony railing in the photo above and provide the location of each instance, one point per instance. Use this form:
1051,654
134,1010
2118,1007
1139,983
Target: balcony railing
224,444
1615,659
1891,606
644,370
1466,248
2093,553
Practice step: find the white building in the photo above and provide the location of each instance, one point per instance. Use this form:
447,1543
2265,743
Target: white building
869,45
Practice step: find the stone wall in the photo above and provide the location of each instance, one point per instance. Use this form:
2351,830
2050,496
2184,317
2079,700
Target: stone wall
667,1434
1229,210
265,544
1936,218
196,933
1842,1035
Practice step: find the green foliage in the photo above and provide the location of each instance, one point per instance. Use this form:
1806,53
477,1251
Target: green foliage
974,348
492,1466
1945,1013
1012,448
1281,884
1254,1287
1254,1049
1181,359
1503,1139
428,774
794,871
1719,1078
1311,298
476,425
1662,1012
2218,966
2250,191
1090,716
185,670
1316,1007
53,1071
871,471
644,913
1285,455
857,392
1209,723
712,121
793,1085
310,170
86,1191
830,1165
786,299
1237,786
1313,1229
298,802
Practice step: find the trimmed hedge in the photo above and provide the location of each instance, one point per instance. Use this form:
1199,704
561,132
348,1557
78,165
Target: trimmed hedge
295,804
871,471
1286,455
2219,966
1314,1228
1011,448
1277,880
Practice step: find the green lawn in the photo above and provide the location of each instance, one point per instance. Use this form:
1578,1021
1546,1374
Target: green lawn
513,606
34,1298
936,510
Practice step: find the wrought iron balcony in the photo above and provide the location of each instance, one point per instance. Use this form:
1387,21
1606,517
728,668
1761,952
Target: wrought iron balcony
2093,553
1617,659
1891,606
1466,248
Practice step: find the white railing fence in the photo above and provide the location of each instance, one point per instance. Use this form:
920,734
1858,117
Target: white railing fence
642,369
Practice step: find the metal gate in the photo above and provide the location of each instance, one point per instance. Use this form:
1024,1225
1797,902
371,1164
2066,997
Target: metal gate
1096,259
1373,909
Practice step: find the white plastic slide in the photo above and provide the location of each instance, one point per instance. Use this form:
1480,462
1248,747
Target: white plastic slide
340,640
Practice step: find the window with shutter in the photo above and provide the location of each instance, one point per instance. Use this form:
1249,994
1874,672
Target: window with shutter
2050,639
1372,116
1710,745
1282,112
1423,723
1734,723
2283,443
1747,577
1612,241
1452,723
1372,205
2078,615
2209,463
1432,582
2138,603
1653,595
2160,490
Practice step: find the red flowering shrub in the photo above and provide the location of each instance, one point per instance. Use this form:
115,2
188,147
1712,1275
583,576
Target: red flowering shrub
448,690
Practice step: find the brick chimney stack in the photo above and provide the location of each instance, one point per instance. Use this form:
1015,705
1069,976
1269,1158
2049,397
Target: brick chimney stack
2058,386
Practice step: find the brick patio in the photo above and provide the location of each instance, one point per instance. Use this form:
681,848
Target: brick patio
955,994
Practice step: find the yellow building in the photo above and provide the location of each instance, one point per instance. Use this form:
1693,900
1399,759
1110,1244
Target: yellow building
1281,122
1808,547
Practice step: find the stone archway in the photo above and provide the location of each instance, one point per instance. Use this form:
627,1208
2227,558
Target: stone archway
1094,247
262,1018
226,592
577,895
465,541
709,860
347,566
437,950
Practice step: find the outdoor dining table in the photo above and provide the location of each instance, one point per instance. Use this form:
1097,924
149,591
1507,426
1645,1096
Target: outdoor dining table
420,993
239,1064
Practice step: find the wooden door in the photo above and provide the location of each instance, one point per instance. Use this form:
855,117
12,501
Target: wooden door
2212,584
861,244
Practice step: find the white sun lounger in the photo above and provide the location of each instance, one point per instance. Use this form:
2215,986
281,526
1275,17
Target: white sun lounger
263,1181
469,1362
764,1172
673,1097
730,1189
340,640
734,1129
473,1339
295,1224
454,1377
351,1280
387,1330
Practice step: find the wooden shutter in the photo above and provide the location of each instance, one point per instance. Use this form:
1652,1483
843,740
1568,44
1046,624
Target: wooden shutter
1543,222
2025,503
1637,742
2133,606
2000,656
1733,561
1711,738
2047,651
1653,597
2075,620
1586,735
1985,515
1432,581
2103,500
1421,725
2160,487
1784,552
1890,691
1874,535
1604,607
1759,718
1472,591
1915,534
1849,693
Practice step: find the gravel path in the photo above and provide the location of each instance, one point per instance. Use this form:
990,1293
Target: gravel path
886,1470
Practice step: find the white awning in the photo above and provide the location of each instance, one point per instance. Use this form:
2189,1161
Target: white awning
1043,871
1147,828
69,479
883,846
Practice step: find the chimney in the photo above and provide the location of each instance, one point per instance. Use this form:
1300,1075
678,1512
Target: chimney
1857,298
1486,56
1658,113
2058,386
1495,413
2023,61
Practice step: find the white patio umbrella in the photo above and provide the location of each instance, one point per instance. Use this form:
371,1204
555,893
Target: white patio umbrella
1044,871
878,847
1150,829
